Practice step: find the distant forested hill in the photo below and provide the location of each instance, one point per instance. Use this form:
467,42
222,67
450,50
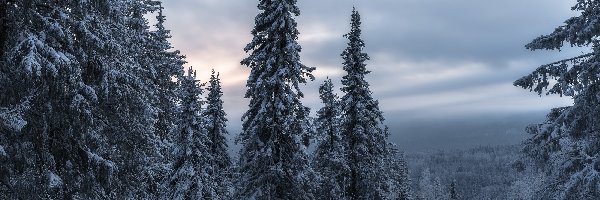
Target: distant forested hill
478,173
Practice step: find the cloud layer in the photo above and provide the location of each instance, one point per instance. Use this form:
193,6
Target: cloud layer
432,61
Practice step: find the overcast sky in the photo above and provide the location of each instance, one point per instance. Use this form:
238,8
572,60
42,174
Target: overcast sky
442,70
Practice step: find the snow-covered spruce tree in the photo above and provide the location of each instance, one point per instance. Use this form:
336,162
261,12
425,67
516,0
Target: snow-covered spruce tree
47,153
168,64
128,101
329,157
395,175
215,120
567,146
190,177
431,188
361,122
80,100
273,160
112,42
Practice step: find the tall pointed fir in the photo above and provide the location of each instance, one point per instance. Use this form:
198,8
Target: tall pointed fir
566,147
330,158
273,160
168,64
190,177
168,67
216,130
362,124
129,101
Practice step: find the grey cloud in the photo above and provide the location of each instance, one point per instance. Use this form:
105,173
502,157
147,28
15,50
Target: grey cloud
490,31
405,39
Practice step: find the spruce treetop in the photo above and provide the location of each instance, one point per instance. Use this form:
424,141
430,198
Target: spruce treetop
353,55
326,93
357,102
328,116
274,48
361,120
273,159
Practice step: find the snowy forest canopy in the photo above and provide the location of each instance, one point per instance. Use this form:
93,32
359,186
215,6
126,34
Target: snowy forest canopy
95,103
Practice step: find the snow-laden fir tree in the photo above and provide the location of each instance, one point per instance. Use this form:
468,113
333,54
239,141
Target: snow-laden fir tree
46,107
329,157
567,146
273,160
215,121
361,122
168,64
190,177
78,76
394,174
128,99
167,67
431,187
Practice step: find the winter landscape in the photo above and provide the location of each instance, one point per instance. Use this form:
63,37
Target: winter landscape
300,99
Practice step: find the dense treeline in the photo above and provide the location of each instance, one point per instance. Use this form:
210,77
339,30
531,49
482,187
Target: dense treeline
353,159
478,173
95,104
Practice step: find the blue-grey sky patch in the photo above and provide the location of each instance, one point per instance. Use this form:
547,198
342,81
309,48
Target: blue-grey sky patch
434,62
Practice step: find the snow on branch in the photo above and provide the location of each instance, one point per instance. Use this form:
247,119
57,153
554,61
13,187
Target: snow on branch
567,80
11,118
